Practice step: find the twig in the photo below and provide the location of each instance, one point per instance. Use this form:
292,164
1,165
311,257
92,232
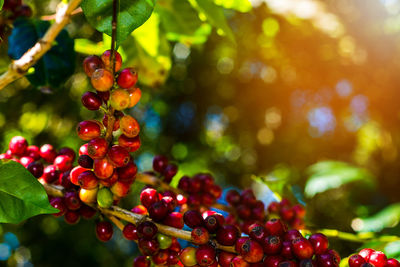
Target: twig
19,67
53,16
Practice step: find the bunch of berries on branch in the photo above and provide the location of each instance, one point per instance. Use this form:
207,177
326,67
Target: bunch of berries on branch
293,215
368,257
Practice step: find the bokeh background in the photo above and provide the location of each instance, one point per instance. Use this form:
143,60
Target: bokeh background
304,103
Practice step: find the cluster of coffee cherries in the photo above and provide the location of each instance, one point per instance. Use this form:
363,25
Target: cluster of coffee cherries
11,10
368,257
164,170
293,215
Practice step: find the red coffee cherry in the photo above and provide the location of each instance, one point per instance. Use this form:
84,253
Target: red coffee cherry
104,231
225,258
88,180
18,145
36,168
174,219
91,101
97,148
85,161
88,130
205,255
58,203
292,235
257,232
250,250
391,263
131,144
134,96
193,218
92,63
106,58
273,261
158,211
48,153
227,235
148,247
129,126
200,235
63,163
141,261
378,259
233,197
118,155
87,212
286,250
72,217
50,174
356,261
33,152
147,230
103,168
102,80
74,174
327,260
302,248
130,232
72,200
366,253
275,227
319,242
127,173
127,78
272,245
149,196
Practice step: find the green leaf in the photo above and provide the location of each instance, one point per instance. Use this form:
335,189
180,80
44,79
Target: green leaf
388,217
148,35
21,195
239,5
215,16
1,4
327,175
181,23
56,66
131,15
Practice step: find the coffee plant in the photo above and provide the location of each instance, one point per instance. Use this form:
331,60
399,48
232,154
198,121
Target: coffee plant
186,219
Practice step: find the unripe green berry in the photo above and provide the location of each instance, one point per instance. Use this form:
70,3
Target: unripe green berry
164,241
104,197
188,256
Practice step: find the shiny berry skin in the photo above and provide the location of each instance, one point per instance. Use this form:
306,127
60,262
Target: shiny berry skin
74,174
104,231
134,96
50,174
286,213
366,253
91,101
130,232
58,203
378,259
141,261
200,235
85,161
104,197
334,254
158,211
148,247
161,257
64,180
286,250
87,180
302,248
211,223
139,209
215,190
83,149
88,196
319,242
233,197
72,217
250,250
275,227
87,212
97,148
356,261
292,235
25,161
391,263
118,155
103,168
258,232
119,99
238,261
48,153
272,245
87,130
127,173
129,126
164,241
172,258
36,168
33,152
193,218
106,58
188,256
149,196
67,152
160,162
131,144
243,211
18,145
174,219
92,63
169,173
120,189
327,260
63,163
147,230
169,202
272,261
227,235
205,255
102,80
225,258
72,201
127,78
175,246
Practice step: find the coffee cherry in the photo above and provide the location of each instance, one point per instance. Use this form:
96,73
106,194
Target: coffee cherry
129,126
58,203
87,212
85,161
160,162
216,191
299,210
238,261
356,261
92,63
72,201
88,196
158,211
225,258
130,232
292,235
258,232
302,248
131,144
104,231
103,168
18,145
233,197
272,245
164,241
134,96
391,263
87,180
97,148
366,253
72,217
141,261
195,185
104,197
286,213
184,182
243,211
319,242
378,259
161,257
188,256
175,246
272,261
106,58
63,163
120,189
307,263
205,255
139,209
174,219
327,260
147,230
33,152
169,172
48,153
36,168
118,155
88,130
119,99
127,78
74,174
247,197
172,258
275,227
193,218
227,235
50,174
250,250
83,149
149,196
102,80
211,223
200,235
127,173
148,247
91,101
64,180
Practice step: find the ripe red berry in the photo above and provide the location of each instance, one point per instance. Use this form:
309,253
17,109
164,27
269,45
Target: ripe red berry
193,218
118,155
275,227
319,242
184,183
211,223
106,58
302,248
18,145
247,197
200,235
102,80
72,201
378,259
103,168
147,230
87,180
272,261
129,126
33,152
127,173
188,256
391,263
148,247
88,130
72,217
92,63
160,162
327,260
50,174
238,261
127,78
216,191
36,168
233,197
227,235
85,161
91,101
63,163
174,219
141,261
286,250
83,149
169,173
161,257
109,182
130,232
97,148
272,245
104,231
131,144
292,235
250,250
48,153
299,210
243,211
74,174
158,211
356,261
225,258
149,196
173,258
258,232
366,253
58,203
195,185
205,255
87,212
121,189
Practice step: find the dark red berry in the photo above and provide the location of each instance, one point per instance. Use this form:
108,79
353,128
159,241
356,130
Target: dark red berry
161,257
104,231
141,261
319,242
286,250
302,248
227,235
160,162
36,168
243,211
184,183
356,261
72,200
193,218
87,130
130,232
211,223
149,196
174,219
292,235
272,261
225,258
233,197
205,255
118,155
286,213
391,263
58,203
127,173
50,174
148,247
97,148
215,190
85,161
169,172
87,180
87,212
147,230
172,258
272,245
327,260
72,217
92,63
91,101
275,227
158,211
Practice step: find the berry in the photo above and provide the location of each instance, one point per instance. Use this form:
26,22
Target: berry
50,174
205,255
149,196
104,231
87,212
48,153
18,145
164,241
233,197
120,189
134,96
391,263
172,258
129,126
286,250
83,149
238,261
33,152
366,253
25,161
215,190
147,230
36,168
327,260
106,58
91,101
64,180
286,213
141,261
127,173
250,250
88,196
97,148
188,256
127,78
272,245
158,211
319,242
119,99
72,201
72,217
160,162
102,80
200,235
88,130
118,155
272,261
63,163
87,180
131,144
243,211
85,161
148,247
193,218
130,232
356,261
378,259
58,203
92,63
225,258
299,210
174,219
103,168
227,235
258,232
302,248
161,257
169,172
139,209
275,227
292,235
74,174
104,197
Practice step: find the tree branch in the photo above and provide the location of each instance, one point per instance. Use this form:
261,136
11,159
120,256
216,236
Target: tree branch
19,67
